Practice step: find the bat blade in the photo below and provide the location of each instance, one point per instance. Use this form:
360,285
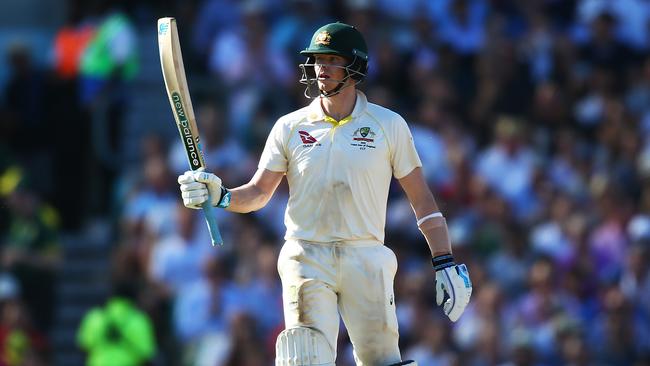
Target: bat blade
173,70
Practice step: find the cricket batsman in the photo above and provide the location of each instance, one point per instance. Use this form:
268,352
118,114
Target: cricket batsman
339,154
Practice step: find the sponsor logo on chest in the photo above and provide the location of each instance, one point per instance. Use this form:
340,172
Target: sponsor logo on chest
307,139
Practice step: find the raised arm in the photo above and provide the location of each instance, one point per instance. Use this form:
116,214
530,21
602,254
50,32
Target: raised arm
255,194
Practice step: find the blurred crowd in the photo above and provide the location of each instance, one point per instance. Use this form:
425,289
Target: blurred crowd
531,118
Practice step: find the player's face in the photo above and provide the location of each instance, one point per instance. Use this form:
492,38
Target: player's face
329,70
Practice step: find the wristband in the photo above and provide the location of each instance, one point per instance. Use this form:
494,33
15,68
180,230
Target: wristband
442,261
430,216
224,201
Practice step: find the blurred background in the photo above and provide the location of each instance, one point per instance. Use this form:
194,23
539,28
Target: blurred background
531,117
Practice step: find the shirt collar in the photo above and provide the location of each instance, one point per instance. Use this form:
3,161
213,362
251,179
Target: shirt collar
315,111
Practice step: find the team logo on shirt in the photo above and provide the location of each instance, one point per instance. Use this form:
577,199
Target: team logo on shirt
363,138
364,132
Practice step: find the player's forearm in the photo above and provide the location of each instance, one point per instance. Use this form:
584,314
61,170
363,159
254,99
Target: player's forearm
255,194
247,198
437,235
419,195
434,229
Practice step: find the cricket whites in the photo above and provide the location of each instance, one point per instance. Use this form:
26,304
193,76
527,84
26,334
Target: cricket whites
171,61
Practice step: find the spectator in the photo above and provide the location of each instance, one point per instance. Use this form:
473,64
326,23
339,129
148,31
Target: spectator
202,313
549,238
508,267
247,348
463,27
244,62
108,64
150,208
433,347
118,332
20,342
293,29
30,249
212,18
509,167
264,292
26,104
614,330
70,43
177,259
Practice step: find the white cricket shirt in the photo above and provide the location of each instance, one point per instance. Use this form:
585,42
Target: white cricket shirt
339,172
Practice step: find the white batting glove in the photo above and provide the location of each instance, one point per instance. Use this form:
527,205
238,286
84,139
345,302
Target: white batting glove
197,186
453,279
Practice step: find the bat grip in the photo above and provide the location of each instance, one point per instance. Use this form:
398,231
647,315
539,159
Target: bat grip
215,235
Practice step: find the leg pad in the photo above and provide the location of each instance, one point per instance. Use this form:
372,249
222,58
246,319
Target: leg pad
301,346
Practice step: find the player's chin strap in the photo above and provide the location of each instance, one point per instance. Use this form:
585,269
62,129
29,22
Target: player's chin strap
327,93
340,86
336,90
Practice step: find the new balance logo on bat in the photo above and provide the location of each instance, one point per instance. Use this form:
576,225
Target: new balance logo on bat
306,137
186,132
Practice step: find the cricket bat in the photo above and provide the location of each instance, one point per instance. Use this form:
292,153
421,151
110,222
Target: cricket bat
171,62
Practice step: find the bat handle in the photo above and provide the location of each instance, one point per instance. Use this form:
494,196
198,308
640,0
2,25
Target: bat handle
215,235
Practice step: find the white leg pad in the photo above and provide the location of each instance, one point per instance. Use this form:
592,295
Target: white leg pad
301,346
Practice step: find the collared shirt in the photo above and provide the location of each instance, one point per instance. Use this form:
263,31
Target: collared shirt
339,172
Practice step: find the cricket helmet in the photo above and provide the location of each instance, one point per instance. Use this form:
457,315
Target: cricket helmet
336,39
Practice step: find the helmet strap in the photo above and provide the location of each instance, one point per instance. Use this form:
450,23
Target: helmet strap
336,90
324,93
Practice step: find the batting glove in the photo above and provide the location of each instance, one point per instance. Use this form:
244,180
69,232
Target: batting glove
453,279
198,186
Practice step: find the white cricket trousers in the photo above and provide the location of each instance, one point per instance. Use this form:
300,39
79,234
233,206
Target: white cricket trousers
319,280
